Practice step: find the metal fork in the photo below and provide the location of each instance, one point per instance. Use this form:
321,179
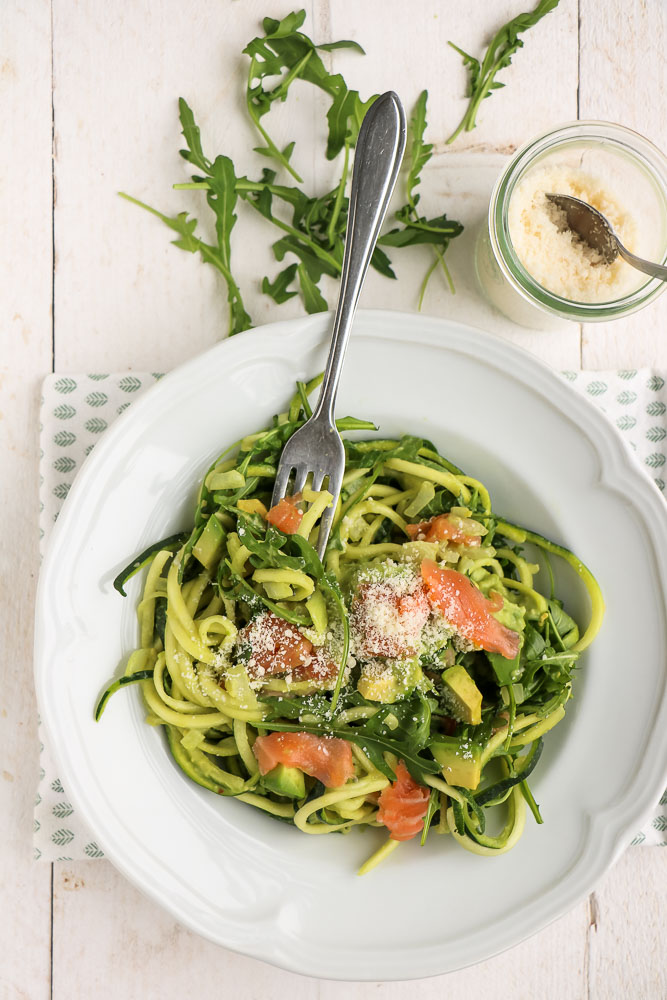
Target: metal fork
316,449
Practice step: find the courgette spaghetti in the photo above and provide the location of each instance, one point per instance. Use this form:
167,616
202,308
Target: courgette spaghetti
404,683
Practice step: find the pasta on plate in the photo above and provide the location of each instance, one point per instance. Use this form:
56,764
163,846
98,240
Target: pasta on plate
404,683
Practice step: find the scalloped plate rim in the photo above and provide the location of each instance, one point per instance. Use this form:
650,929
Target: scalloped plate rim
619,467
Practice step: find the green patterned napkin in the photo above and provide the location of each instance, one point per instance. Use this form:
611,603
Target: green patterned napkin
76,409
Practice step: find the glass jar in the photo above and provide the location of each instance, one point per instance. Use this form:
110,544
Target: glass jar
624,163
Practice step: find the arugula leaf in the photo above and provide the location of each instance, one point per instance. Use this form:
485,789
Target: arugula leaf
221,196
438,231
473,67
312,297
532,804
310,560
534,643
279,289
420,151
562,622
380,262
194,153
345,117
331,46
267,550
502,668
433,806
286,707
285,49
482,77
405,724
417,229
315,262
312,227
547,663
306,243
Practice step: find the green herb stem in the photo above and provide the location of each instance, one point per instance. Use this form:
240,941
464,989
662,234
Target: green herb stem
426,279
270,144
245,187
340,192
532,804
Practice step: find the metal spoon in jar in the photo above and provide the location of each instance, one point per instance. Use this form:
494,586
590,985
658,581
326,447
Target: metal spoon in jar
596,230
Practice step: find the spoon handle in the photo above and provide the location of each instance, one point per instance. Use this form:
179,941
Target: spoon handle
647,266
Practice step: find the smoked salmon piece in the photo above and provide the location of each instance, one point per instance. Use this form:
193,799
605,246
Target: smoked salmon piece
277,647
328,759
467,609
441,527
286,516
403,805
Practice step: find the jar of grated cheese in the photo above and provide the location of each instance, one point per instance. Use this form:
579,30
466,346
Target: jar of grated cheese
533,268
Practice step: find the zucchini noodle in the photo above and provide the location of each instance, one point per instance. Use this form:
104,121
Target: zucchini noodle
416,669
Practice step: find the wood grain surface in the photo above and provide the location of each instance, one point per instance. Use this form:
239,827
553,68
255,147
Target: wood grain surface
88,283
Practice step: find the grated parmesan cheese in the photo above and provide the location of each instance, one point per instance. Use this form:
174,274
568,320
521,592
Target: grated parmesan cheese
280,649
557,258
388,612
436,633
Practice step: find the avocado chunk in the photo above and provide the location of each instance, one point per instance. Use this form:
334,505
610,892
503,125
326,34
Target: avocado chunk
389,683
512,616
460,761
252,507
463,695
287,781
317,609
208,546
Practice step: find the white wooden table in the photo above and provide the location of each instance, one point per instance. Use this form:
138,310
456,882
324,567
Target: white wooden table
88,283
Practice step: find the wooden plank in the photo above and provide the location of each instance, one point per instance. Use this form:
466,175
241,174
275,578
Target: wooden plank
461,184
460,177
407,50
125,298
25,301
623,80
161,958
549,965
607,948
626,937
112,942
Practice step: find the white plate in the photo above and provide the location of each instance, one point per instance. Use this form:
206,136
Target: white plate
262,888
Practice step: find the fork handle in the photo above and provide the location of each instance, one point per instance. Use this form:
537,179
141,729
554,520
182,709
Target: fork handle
377,160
